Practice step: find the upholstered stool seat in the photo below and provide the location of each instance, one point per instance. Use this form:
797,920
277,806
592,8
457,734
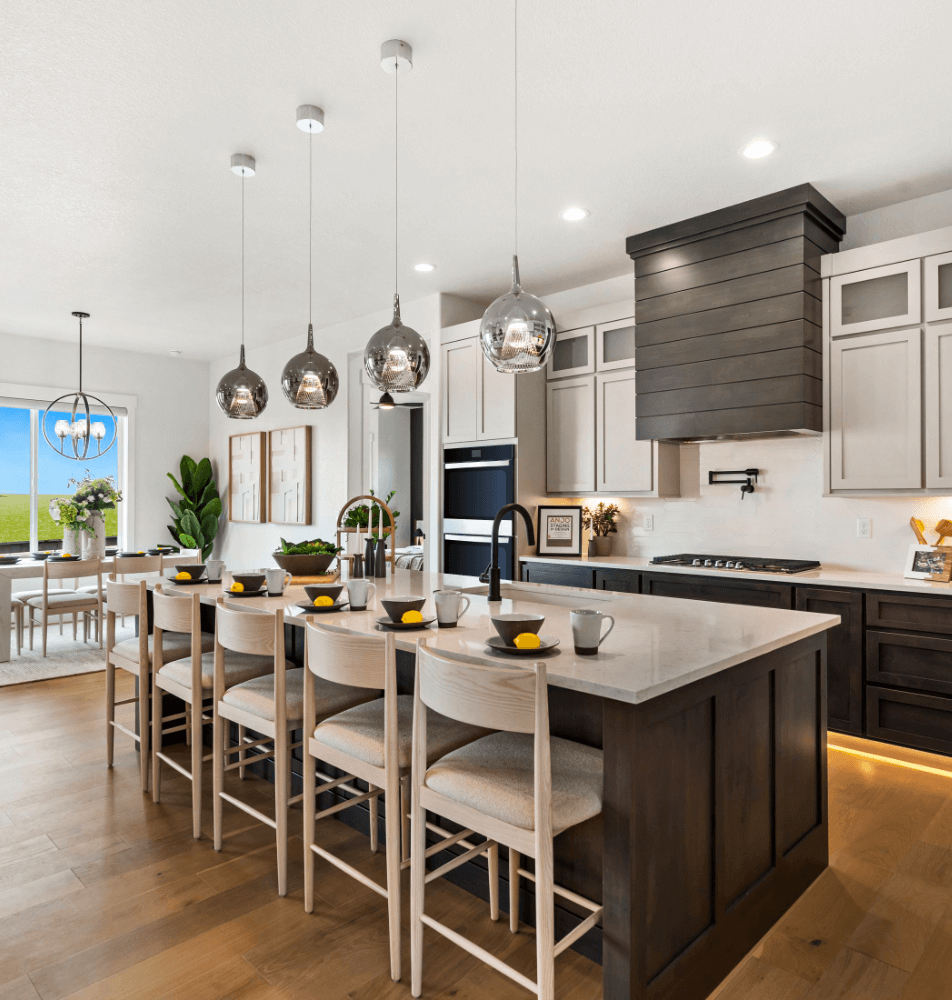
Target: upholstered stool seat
175,645
239,667
69,601
359,732
256,696
25,595
494,775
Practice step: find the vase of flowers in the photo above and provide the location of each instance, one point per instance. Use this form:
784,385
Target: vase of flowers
82,515
601,522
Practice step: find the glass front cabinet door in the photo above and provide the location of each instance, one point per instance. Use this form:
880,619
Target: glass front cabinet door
938,287
574,353
615,345
879,298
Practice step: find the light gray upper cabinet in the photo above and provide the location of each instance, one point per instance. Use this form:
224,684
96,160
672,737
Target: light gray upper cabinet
875,421
495,401
573,354
615,345
623,464
938,405
479,403
887,344
570,435
877,298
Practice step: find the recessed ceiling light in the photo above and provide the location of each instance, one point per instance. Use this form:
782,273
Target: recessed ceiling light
426,268
759,148
574,214
175,354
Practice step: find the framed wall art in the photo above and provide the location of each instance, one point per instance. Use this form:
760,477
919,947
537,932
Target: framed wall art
289,476
246,464
559,531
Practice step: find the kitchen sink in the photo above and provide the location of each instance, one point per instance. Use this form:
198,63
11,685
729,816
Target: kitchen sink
513,592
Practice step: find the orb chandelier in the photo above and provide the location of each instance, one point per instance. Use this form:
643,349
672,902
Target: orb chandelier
396,357
517,332
241,393
75,435
309,380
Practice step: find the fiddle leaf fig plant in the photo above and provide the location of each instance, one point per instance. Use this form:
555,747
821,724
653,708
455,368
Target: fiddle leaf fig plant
198,509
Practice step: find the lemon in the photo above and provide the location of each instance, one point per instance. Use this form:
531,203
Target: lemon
323,601
67,555
237,588
411,617
527,640
183,576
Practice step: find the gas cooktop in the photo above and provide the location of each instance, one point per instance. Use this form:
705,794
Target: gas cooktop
753,564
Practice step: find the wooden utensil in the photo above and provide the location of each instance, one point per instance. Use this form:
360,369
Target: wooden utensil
917,527
944,528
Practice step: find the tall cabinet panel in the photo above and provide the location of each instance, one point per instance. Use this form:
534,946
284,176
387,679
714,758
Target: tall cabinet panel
623,464
496,409
938,405
570,435
461,361
875,418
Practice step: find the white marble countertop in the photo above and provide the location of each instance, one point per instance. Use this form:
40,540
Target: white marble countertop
827,576
658,644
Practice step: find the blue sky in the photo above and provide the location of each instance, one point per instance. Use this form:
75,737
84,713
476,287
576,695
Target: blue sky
54,470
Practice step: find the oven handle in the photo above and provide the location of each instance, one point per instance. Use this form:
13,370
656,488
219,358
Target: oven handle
503,539
501,464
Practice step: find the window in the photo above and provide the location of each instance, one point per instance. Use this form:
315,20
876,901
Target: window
31,474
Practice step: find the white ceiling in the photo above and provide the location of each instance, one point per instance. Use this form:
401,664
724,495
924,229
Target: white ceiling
118,118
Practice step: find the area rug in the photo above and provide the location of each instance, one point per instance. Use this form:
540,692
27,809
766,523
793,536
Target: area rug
64,656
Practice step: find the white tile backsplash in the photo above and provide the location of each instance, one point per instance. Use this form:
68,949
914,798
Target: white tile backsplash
787,516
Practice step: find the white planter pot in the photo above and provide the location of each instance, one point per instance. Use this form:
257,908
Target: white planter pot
71,542
94,545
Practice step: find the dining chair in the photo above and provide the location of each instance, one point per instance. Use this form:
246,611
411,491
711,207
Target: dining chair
190,678
136,657
50,602
271,706
370,742
520,787
18,605
130,566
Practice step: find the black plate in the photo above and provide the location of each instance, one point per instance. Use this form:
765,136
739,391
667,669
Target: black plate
498,645
389,623
313,609
8,560
65,559
186,583
246,593
40,556
131,555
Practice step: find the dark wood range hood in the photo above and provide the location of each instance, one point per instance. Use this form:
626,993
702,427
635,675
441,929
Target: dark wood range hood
728,319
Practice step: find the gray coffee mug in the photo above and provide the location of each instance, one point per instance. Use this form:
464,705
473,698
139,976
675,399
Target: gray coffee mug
587,630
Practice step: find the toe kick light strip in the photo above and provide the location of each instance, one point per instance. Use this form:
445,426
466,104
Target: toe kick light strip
945,773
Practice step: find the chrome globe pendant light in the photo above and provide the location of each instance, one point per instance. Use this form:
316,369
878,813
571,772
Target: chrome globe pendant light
241,393
396,357
309,380
76,434
517,333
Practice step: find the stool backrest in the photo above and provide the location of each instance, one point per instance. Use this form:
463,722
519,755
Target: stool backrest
345,657
126,598
470,690
257,634
125,565
72,569
175,612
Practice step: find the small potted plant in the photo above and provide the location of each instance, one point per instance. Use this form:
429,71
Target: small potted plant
309,558
601,522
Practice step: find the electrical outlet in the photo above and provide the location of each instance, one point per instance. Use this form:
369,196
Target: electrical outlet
649,522
864,527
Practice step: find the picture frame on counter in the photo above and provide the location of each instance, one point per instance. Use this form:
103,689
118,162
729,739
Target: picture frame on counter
927,562
559,531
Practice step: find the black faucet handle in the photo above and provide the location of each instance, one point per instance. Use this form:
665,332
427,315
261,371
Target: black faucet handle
484,576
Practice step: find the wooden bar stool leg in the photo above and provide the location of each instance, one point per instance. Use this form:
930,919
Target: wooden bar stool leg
417,892
494,882
144,725
195,729
46,625
309,807
220,745
394,853
156,741
74,627
188,725
110,706
281,769
241,751
374,824
405,818
545,923
514,862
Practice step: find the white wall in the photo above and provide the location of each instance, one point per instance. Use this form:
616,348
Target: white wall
907,218
171,411
249,545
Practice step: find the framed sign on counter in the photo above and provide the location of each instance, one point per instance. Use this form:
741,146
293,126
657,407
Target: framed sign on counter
559,531
289,475
246,458
927,562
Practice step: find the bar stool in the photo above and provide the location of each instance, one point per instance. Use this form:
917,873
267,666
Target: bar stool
520,786
49,603
135,656
370,742
127,566
271,705
190,678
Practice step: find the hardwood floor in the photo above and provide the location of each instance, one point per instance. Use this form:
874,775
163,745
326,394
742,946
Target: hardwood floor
105,895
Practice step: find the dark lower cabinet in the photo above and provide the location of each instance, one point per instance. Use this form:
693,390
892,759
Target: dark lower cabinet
909,611
909,718
920,662
622,581
760,594
844,662
558,574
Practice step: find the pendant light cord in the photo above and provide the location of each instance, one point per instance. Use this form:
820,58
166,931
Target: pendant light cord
515,120
242,261
80,354
396,173
310,225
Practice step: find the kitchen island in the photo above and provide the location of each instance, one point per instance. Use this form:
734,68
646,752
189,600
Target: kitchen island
712,722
